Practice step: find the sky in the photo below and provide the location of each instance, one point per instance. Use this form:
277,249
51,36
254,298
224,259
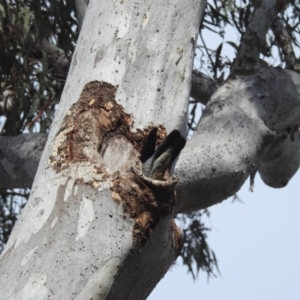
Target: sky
257,247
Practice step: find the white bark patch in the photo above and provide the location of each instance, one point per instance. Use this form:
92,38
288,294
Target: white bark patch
84,172
103,186
38,209
131,56
86,216
117,155
121,18
28,256
146,19
99,283
75,190
113,63
34,289
124,23
68,189
54,222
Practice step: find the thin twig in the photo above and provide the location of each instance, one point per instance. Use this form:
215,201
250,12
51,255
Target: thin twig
39,115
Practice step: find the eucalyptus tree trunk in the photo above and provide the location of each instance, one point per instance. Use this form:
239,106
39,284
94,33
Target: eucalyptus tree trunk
95,227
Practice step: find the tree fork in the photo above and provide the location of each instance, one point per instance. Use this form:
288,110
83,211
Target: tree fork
76,239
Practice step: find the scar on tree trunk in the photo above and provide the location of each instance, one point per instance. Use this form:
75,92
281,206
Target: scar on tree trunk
90,126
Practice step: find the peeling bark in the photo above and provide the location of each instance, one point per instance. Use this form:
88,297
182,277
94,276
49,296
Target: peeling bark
95,226
202,89
137,206
146,202
271,89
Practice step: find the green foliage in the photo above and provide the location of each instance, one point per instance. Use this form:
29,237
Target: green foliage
11,204
196,253
37,39
235,15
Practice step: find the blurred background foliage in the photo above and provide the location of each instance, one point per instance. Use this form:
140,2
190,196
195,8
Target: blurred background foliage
37,40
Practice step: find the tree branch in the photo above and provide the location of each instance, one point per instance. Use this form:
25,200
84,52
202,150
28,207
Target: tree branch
196,167
284,41
248,118
19,159
203,87
58,61
247,59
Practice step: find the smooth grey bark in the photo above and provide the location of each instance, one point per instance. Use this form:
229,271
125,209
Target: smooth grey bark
247,58
203,87
250,122
19,159
75,215
81,6
284,41
57,58
94,226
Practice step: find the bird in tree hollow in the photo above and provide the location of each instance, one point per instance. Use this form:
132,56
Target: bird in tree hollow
157,162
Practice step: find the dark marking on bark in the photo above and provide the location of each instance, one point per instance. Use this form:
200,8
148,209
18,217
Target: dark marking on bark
87,123
90,123
93,126
177,237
